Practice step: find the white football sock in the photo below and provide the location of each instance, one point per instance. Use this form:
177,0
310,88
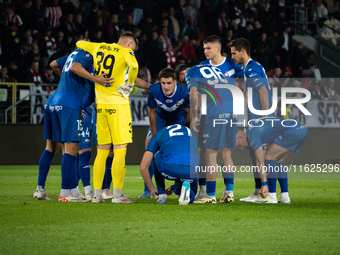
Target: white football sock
65,192
88,189
284,195
162,196
272,195
117,193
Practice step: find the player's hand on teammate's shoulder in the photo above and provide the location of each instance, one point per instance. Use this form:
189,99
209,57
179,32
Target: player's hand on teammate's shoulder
102,80
83,114
125,89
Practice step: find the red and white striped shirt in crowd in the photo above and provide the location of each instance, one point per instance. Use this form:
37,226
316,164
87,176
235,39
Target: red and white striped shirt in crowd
165,42
36,76
144,71
170,59
83,38
53,14
51,45
222,23
15,19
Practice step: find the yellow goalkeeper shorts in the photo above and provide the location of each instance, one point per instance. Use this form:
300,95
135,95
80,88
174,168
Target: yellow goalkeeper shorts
114,124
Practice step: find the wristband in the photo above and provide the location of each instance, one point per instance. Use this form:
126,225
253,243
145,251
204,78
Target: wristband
264,183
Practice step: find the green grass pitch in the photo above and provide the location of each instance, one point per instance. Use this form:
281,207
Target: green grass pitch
309,225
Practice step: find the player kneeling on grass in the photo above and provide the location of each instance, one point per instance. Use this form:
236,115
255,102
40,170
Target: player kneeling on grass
286,137
174,151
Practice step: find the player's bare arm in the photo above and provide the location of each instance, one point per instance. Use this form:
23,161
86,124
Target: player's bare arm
56,68
194,107
153,122
81,71
140,83
144,165
261,171
264,98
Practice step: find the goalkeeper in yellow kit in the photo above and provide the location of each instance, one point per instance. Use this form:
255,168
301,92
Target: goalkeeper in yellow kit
113,110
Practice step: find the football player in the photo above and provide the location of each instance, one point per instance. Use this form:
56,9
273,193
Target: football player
174,153
114,125
219,139
168,103
255,78
286,137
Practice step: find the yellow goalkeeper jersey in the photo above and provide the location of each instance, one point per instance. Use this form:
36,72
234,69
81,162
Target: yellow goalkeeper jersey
116,61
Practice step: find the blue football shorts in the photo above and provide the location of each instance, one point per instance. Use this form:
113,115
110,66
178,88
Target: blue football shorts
217,135
48,122
293,138
67,124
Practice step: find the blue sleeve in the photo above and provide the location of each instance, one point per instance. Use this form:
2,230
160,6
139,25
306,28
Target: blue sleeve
255,140
151,101
186,98
255,79
85,59
191,74
239,70
61,61
153,145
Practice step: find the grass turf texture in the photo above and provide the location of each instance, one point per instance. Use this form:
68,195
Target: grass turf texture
309,225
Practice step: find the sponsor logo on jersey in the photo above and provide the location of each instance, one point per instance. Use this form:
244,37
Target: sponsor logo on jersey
169,177
51,108
79,135
87,141
168,101
110,111
99,110
179,103
224,115
58,108
252,75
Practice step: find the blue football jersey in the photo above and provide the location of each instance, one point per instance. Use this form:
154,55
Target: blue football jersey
255,77
74,91
205,78
228,68
169,108
176,145
49,101
270,130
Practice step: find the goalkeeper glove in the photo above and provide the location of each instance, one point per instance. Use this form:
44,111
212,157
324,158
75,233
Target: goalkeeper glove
125,89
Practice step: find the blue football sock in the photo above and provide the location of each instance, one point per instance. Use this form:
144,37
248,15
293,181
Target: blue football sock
229,181
256,175
44,166
84,167
211,188
271,175
108,175
69,171
202,176
151,172
283,177
160,181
